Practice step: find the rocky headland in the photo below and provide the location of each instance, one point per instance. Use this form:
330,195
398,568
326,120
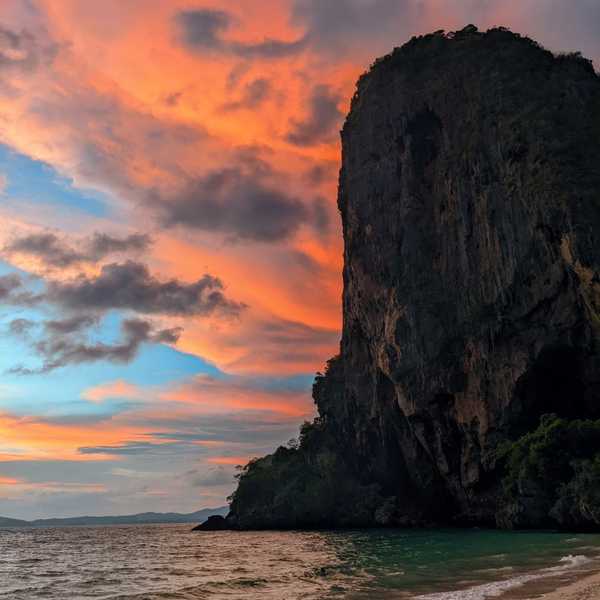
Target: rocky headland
469,193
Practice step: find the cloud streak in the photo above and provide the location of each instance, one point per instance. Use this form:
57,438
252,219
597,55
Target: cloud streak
131,286
254,94
242,205
56,251
12,291
23,52
59,349
9,284
322,121
202,30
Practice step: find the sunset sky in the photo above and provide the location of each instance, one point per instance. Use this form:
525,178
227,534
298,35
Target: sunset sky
170,247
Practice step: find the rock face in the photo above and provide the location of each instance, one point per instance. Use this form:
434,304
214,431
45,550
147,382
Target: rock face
470,201
213,523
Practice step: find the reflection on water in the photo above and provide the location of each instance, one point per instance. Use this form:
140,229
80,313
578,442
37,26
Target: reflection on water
170,562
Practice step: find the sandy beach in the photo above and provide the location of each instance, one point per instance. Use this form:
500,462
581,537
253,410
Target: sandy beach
587,588
572,586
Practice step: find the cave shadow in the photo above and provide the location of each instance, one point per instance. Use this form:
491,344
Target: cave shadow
554,383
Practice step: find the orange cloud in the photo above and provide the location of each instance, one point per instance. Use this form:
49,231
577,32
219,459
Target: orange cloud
27,438
212,396
112,390
228,460
125,128
9,481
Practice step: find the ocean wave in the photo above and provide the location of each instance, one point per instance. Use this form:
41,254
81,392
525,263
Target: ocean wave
497,588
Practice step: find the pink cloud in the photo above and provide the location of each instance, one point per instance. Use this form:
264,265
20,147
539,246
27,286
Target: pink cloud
119,389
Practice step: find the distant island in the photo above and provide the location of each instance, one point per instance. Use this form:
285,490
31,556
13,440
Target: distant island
146,518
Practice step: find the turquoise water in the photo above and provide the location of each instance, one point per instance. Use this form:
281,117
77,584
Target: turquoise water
425,562
171,562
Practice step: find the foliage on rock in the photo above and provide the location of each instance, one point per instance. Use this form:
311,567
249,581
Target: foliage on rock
305,485
553,476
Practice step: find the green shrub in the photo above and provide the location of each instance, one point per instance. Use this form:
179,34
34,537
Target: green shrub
552,475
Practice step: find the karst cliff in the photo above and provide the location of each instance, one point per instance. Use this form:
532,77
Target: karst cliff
469,193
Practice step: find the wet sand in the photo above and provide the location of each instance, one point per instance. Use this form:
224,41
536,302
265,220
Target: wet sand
573,586
587,588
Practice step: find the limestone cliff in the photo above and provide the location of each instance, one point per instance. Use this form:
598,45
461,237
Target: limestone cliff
470,200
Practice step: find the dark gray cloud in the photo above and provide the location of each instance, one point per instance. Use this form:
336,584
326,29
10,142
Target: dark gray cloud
204,29
240,204
12,291
131,286
236,74
346,25
321,215
131,448
9,284
322,121
560,26
369,29
70,325
59,349
318,174
128,286
102,244
253,95
173,99
20,327
46,246
22,51
56,251
259,429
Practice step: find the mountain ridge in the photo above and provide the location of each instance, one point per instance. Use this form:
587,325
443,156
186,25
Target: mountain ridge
133,519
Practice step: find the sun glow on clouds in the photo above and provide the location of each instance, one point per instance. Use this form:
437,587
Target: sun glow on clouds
9,481
173,165
210,395
16,486
115,389
229,460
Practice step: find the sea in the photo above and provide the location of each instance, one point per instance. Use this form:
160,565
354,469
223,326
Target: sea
171,562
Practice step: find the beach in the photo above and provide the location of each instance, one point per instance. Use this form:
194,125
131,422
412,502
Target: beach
579,585
586,588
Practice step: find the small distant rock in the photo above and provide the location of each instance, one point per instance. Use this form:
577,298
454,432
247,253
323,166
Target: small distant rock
214,523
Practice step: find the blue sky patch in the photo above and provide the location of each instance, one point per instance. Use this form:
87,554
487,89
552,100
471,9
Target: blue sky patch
38,182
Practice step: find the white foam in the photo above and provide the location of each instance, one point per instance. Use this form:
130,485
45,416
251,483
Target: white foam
497,588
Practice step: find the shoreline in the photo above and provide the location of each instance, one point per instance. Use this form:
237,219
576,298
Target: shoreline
574,585
573,582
